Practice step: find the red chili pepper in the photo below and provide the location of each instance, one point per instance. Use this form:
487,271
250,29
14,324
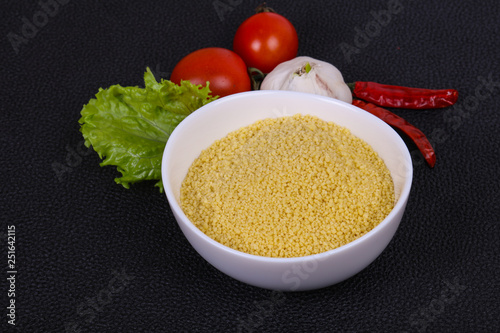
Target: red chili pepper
403,97
396,121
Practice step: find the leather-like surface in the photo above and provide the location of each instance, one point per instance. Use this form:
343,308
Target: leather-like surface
92,256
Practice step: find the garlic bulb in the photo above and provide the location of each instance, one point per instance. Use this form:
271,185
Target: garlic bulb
308,75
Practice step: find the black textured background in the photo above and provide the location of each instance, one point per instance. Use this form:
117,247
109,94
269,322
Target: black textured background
76,229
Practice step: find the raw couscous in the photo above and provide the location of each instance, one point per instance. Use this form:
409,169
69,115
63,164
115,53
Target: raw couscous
287,187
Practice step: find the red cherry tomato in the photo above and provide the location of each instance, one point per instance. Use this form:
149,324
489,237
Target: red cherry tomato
224,69
265,40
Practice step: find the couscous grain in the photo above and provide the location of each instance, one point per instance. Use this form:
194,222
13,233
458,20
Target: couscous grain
287,187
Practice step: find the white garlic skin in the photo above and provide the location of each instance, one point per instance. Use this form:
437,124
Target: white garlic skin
323,79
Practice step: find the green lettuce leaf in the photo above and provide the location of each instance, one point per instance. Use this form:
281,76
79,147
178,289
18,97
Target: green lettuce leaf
129,126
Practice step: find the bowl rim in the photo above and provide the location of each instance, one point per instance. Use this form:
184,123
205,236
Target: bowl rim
175,207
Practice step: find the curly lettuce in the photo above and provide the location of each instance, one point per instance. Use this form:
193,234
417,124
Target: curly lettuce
129,126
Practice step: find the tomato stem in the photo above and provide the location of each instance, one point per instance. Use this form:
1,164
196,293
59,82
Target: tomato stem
262,8
256,76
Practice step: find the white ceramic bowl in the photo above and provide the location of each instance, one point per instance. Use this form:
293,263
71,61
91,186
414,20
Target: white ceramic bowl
216,119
